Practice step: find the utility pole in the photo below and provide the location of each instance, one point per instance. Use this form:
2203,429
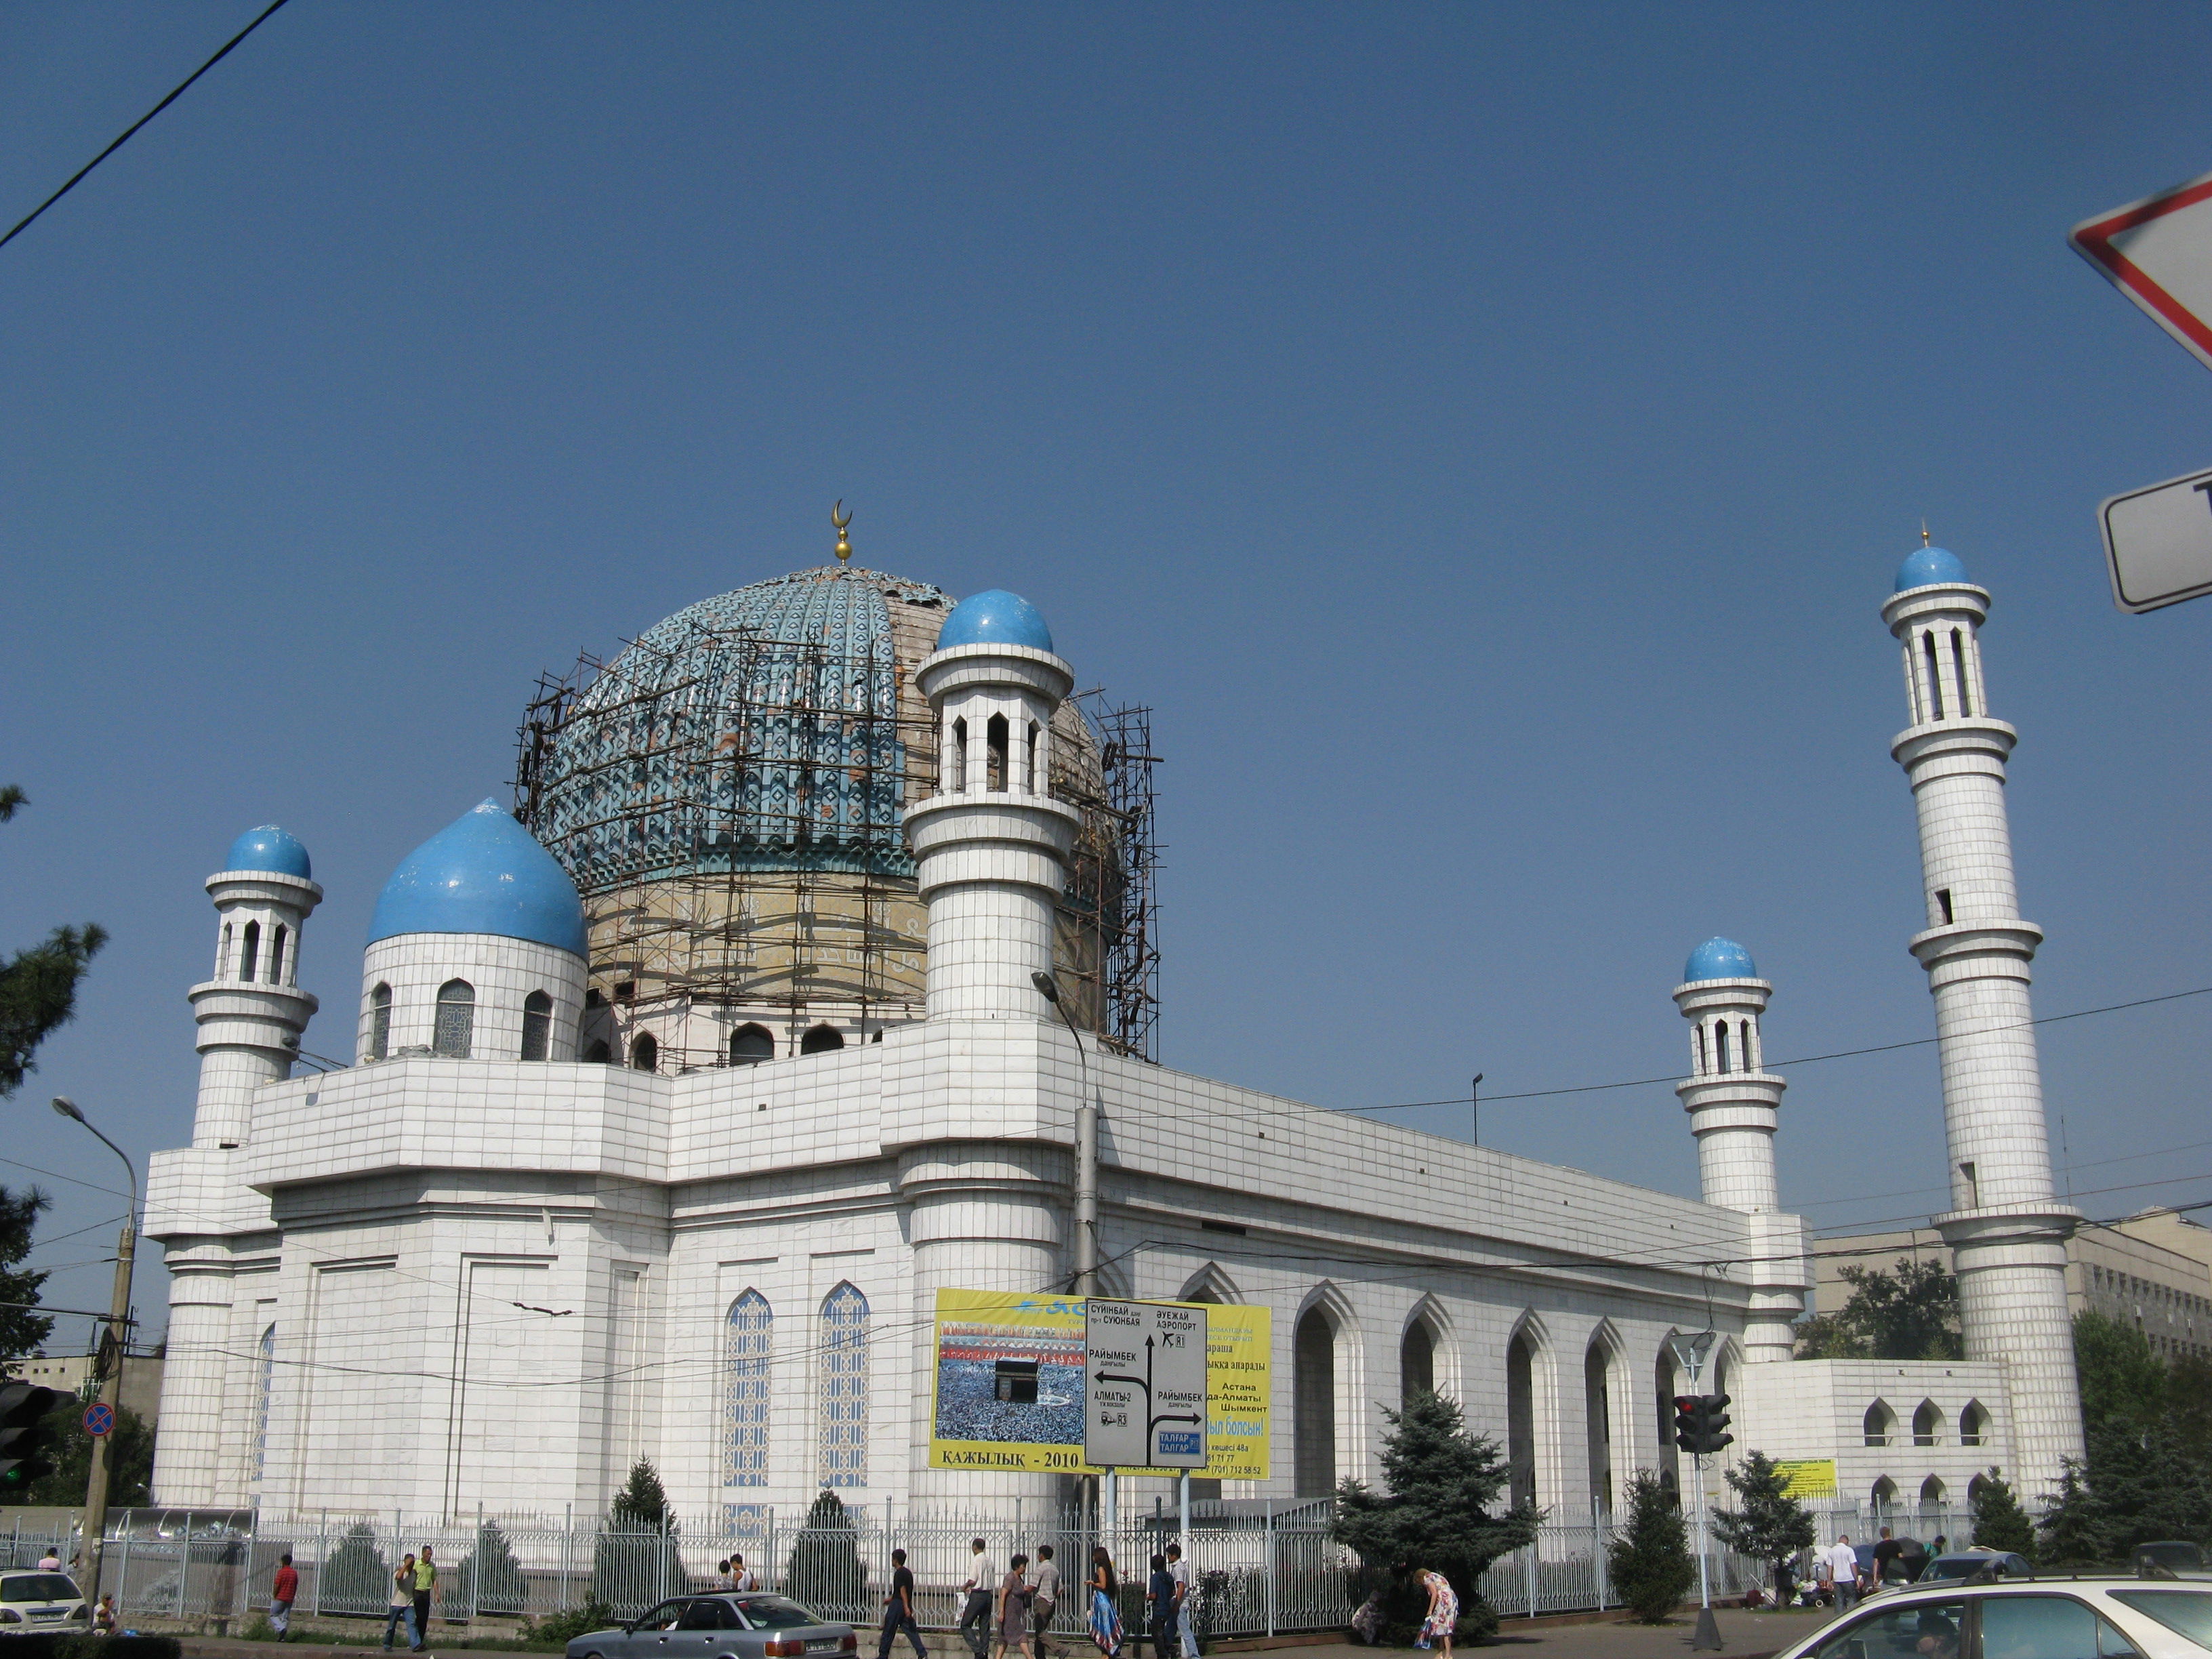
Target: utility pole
1086,1149
1690,1352
116,1345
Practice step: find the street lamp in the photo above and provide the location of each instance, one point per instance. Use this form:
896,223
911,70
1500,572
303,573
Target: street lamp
111,1375
1086,1149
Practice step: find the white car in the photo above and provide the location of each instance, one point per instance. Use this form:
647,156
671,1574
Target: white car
2101,1618
41,1601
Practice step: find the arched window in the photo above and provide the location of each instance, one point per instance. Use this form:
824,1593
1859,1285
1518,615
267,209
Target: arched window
252,957
379,1022
1663,1378
1416,1362
1034,754
265,1382
744,1361
1313,1402
1879,1420
1931,1504
1959,674
1743,1050
994,745
1521,1419
537,1025
1973,1424
821,1041
277,956
1720,1039
457,1019
644,1053
1597,1417
750,1044
959,769
1701,1049
223,954
1934,678
596,1052
842,1414
1884,1498
1927,1423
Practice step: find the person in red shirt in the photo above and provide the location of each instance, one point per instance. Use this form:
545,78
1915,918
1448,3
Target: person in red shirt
282,1594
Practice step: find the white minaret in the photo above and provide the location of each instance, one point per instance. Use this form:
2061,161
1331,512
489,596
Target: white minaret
991,846
2006,1228
252,1013
1734,1107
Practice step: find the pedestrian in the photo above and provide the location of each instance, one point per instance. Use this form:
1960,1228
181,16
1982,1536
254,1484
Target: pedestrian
1105,1603
103,1617
1842,1569
741,1576
1941,1544
282,1594
975,1610
1185,1607
1044,1601
1888,1559
50,1562
1012,1624
400,1614
1159,1598
1444,1610
898,1610
723,1581
426,1583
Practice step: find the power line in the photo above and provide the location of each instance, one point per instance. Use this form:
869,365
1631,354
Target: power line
23,224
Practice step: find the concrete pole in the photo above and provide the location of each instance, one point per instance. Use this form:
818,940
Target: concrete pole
111,1382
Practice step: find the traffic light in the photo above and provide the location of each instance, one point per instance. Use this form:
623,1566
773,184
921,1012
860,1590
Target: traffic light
25,1438
1711,1419
1685,1421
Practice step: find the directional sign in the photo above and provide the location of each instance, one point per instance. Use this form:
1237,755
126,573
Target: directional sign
98,1418
2158,542
2158,252
1145,1383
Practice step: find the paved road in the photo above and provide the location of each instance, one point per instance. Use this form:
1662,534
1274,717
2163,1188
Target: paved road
1745,1636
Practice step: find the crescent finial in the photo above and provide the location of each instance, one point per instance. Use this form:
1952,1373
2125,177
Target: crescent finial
840,518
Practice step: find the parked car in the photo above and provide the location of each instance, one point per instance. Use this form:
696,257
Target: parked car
748,1626
2175,1558
41,1601
2104,1618
1972,1564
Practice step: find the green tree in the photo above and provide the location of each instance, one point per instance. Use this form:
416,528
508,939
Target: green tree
2144,1472
2000,1523
21,1331
825,1572
37,986
1442,1480
129,1459
1770,1525
1649,1558
2124,1383
1909,1312
356,1578
1825,1336
643,1501
633,1559
490,1578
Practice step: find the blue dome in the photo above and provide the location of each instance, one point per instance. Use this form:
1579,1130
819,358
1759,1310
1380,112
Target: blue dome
482,873
1925,566
995,617
1720,958
265,846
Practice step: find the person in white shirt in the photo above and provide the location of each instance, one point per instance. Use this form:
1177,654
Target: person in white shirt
1179,1575
1840,1566
741,1576
976,1613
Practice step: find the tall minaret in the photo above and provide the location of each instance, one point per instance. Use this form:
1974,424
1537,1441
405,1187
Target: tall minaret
2006,1228
1734,1105
252,1012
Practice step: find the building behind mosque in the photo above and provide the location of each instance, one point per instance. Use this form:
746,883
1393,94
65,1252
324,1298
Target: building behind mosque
679,1092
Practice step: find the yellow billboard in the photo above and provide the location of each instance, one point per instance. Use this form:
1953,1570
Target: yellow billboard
1009,1391
1806,1477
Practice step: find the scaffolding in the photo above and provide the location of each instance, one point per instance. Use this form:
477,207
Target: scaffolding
729,804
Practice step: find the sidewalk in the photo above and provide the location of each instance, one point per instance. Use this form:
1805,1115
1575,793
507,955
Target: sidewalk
1743,1636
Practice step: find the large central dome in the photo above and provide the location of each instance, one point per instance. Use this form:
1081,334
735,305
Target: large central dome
727,796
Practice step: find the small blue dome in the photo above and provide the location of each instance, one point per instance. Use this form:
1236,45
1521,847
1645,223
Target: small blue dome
482,873
265,846
1719,959
1925,566
994,617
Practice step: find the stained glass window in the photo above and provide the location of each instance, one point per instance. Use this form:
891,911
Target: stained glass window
843,1395
745,1364
265,1376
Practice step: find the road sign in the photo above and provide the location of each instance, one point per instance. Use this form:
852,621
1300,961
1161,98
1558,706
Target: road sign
2158,542
98,1418
1145,1382
2158,252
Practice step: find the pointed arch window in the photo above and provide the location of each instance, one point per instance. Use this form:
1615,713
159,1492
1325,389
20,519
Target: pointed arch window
746,1346
251,959
223,954
1416,1362
1927,1423
842,1396
644,1053
751,1044
264,1379
821,1039
1313,1402
379,1022
537,1025
456,1027
277,956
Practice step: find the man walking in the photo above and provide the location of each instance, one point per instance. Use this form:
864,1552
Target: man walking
426,1581
975,1612
741,1576
1044,1598
400,1614
1888,1559
1185,1612
282,1594
898,1610
1841,1566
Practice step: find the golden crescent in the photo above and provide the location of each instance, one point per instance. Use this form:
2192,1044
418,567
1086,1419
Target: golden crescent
835,521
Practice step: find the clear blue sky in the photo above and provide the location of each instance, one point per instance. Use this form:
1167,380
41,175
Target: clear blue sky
1485,434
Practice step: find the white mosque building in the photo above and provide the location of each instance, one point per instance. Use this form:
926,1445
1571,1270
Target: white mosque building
552,1219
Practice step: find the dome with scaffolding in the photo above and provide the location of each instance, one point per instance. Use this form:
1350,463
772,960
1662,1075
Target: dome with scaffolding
727,794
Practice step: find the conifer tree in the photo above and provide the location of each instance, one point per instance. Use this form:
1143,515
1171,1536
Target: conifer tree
633,1560
2000,1523
825,1572
37,986
20,1330
1649,1558
1771,1526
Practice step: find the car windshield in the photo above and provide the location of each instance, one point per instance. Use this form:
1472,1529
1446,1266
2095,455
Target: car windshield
1959,1566
2179,1554
37,1587
775,1612
2188,1612
1926,1630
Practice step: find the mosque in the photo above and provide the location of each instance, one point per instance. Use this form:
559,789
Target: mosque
678,1091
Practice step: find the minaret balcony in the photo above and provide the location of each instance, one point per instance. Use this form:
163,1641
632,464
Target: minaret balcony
1975,950
1944,748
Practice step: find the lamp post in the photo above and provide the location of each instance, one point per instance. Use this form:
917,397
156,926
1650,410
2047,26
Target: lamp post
1086,1149
111,1374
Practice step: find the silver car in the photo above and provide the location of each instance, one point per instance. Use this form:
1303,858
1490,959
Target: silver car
2102,1618
41,1601
746,1625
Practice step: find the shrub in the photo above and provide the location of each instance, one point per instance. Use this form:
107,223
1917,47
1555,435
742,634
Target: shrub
565,1626
1649,1557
